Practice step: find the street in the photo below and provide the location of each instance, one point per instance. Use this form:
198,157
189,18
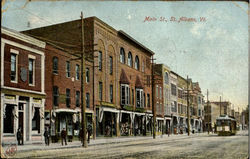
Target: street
176,146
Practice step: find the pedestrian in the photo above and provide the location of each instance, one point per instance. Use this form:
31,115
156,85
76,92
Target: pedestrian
19,136
80,135
64,136
89,130
46,136
168,131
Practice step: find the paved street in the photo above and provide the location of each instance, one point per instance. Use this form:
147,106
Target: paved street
175,146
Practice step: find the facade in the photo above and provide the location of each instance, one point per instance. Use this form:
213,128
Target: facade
22,87
122,100
174,124
212,111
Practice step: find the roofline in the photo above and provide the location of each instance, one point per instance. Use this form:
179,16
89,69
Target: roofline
135,41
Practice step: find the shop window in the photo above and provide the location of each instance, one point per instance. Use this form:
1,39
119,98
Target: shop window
8,125
36,120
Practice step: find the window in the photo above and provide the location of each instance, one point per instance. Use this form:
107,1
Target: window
179,93
156,91
55,65
67,69
179,108
174,106
199,112
144,100
100,91
133,101
87,75
87,100
13,75
160,93
100,60
143,68
139,97
31,71
110,65
166,80
111,93
173,89
77,72
8,124
148,97
55,95
36,120
67,97
130,59
137,65
77,98
124,94
122,55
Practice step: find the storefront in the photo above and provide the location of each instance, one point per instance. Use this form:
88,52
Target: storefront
26,113
126,127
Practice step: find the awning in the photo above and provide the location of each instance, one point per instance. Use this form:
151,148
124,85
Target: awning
105,109
61,110
158,118
128,112
139,114
167,118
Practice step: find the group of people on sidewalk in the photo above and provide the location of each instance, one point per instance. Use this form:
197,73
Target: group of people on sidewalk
46,135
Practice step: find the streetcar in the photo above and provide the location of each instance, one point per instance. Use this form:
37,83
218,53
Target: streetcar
225,126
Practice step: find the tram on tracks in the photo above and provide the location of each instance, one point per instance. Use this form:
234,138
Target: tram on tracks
226,126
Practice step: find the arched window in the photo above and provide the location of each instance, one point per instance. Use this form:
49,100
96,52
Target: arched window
130,59
122,55
166,78
137,65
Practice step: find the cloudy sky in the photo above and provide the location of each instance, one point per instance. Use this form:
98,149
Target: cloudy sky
213,52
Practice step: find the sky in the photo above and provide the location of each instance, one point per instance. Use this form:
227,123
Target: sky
212,50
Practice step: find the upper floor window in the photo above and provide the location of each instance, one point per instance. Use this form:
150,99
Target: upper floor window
160,92
130,59
77,72
148,97
110,65
31,71
55,96
100,60
77,98
166,79
13,75
55,65
173,89
125,94
139,98
100,91
87,75
67,69
179,93
111,93
87,100
68,97
137,65
122,55
156,91
133,102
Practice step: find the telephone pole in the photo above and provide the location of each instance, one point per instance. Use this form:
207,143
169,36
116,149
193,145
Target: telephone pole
83,81
188,111
220,105
153,104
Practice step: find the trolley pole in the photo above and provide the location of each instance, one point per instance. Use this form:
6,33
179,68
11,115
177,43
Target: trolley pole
83,81
188,111
208,114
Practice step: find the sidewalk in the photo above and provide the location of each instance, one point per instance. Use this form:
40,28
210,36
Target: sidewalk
98,141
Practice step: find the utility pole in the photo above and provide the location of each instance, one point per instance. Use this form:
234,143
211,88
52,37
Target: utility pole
207,114
153,95
220,105
83,81
188,111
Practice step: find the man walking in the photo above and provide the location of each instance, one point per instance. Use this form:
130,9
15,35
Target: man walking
89,130
46,136
64,136
19,136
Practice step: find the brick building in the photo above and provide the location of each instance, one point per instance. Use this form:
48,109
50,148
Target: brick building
121,101
22,86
